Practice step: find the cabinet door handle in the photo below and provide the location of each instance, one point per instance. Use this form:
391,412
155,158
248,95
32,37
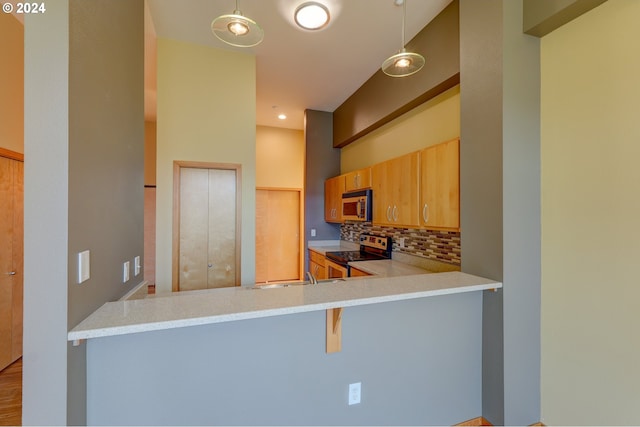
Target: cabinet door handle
425,213
389,213
395,213
11,273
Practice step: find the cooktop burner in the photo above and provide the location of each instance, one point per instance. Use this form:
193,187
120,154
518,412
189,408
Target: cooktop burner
349,256
371,248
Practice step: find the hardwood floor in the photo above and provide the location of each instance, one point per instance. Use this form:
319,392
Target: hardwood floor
11,394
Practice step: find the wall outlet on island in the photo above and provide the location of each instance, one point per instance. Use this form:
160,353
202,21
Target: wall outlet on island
354,393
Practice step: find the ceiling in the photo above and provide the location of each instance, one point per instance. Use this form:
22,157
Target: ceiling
296,69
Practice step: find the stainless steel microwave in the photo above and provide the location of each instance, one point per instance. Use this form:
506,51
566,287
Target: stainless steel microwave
357,205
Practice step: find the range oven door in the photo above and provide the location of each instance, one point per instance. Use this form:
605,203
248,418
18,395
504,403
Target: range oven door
335,270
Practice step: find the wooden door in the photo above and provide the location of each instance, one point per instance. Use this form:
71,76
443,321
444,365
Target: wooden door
440,186
207,241
277,235
11,277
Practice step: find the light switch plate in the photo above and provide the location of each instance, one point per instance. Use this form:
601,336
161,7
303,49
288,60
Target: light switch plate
125,271
136,266
84,266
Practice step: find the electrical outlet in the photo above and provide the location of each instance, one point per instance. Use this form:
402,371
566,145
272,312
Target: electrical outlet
401,242
354,393
136,266
84,266
125,272
313,232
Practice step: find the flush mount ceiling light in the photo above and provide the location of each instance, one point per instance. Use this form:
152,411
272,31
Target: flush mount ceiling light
237,30
312,15
403,63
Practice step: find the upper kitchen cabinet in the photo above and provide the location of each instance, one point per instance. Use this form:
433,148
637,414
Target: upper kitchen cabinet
358,180
395,186
333,189
440,186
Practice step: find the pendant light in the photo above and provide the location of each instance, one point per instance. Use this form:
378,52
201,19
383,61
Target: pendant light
237,30
403,63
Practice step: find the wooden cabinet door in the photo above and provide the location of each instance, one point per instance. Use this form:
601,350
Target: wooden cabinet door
395,191
357,180
11,237
357,273
333,189
440,186
317,265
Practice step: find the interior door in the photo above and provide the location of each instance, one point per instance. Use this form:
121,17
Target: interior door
277,235
208,242
11,235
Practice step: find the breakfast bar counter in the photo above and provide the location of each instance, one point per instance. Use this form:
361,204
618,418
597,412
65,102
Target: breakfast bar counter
239,303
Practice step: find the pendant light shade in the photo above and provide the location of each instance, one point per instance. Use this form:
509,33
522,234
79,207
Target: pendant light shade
237,30
403,63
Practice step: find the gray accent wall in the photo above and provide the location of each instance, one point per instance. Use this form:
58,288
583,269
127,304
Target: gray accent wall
542,17
84,186
481,180
106,163
418,361
322,161
500,200
521,220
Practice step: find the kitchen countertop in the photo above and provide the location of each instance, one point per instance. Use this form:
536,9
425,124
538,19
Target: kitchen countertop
388,268
324,246
239,303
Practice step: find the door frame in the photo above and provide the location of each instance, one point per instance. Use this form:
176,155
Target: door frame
300,224
175,244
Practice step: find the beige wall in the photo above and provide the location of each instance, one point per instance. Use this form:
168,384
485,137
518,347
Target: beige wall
437,120
279,157
149,153
11,83
207,113
590,210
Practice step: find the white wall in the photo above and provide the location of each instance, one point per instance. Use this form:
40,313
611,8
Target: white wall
590,210
206,113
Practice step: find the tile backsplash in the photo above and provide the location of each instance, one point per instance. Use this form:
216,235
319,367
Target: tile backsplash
438,245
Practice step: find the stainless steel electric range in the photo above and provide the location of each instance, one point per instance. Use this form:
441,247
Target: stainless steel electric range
371,248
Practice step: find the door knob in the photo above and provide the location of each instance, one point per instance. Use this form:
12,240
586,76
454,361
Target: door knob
209,265
11,273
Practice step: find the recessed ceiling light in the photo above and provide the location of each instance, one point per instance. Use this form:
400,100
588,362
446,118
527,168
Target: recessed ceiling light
282,116
312,15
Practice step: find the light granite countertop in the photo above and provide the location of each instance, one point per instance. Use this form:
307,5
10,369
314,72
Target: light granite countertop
388,268
239,303
324,246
